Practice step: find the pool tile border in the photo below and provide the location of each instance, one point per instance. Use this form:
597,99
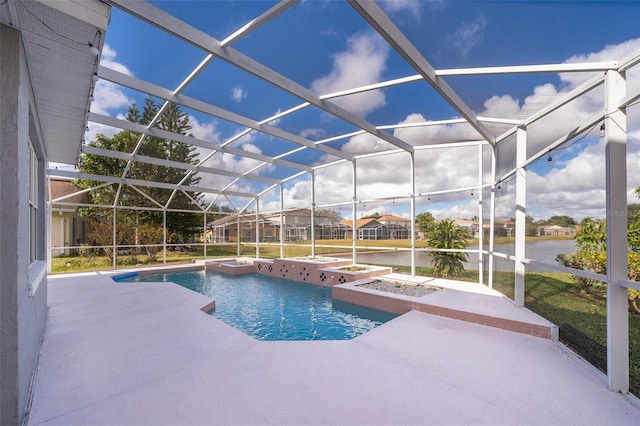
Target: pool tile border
399,304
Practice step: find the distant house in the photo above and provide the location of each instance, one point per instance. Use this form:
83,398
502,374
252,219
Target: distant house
471,226
297,227
385,227
555,230
501,228
504,228
67,229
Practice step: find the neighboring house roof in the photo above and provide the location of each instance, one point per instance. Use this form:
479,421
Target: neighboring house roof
61,188
226,219
464,223
392,218
298,212
555,227
362,223
302,212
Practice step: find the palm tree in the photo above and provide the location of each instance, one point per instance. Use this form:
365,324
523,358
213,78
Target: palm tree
448,236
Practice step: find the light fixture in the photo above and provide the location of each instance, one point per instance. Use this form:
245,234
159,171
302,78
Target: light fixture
91,98
499,185
602,130
428,197
472,192
95,77
94,50
549,160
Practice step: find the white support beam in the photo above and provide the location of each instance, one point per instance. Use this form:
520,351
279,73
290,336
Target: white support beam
204,235
256,23
531,69
149,184
238,236
616,199
521,215
630,61
413,213
492,216
387,29
137,128
197,38
161,92
282,221
173,164
313,215
480,214
354,231
257,253
114,227
557,104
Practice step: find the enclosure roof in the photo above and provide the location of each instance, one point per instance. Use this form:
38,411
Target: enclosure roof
58,37
311,108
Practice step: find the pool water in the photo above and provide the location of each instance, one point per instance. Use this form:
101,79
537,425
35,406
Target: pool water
270,308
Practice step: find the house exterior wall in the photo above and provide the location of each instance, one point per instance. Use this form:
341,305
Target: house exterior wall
556,230
23,293
66,230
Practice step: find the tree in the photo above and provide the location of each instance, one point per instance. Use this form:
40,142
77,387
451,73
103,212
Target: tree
425,223
373,215
334,215
591,255
531,227
560,221
446,235
181,225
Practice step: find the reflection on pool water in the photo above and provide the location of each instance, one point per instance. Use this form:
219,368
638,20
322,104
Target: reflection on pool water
270,308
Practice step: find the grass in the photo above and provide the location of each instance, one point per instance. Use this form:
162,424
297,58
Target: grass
580,317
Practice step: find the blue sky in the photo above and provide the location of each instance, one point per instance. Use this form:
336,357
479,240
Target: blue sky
326,46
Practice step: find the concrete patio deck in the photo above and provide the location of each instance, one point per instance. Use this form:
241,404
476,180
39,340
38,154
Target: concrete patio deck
145,354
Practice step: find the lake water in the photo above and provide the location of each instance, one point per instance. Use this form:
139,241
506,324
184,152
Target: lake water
542,251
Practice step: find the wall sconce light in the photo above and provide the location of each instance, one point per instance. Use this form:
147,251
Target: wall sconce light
549,160
94,50
602,130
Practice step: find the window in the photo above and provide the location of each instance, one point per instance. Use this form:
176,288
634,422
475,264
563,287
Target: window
33,204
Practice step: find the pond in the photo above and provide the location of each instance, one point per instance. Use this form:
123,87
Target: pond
542,251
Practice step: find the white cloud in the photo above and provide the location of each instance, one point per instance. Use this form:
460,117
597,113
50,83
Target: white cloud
108,59
109,99
313,133
613,52
204,131
467,36
574,186
412,7
361,64
238,93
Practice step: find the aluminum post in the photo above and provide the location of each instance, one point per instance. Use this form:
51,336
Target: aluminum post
616,203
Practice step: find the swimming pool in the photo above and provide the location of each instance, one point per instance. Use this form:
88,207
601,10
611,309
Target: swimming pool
270,308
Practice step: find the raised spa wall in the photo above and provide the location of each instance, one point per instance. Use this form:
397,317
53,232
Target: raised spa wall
326,272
